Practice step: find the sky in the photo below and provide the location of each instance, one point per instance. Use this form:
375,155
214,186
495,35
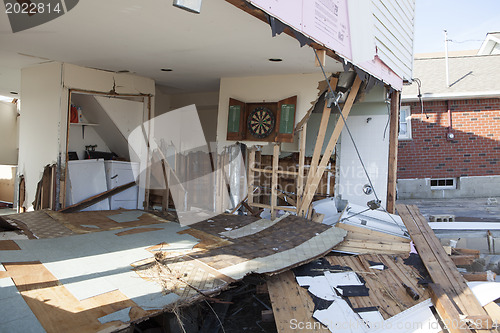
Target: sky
467,22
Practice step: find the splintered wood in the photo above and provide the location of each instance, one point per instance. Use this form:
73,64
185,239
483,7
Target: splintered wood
451,287
293,304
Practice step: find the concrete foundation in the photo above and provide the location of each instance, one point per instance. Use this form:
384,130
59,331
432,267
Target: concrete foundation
467,187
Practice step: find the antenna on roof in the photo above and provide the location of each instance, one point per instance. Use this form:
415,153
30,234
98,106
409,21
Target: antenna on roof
446,58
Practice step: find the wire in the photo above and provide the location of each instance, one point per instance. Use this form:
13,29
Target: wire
354,143
419,84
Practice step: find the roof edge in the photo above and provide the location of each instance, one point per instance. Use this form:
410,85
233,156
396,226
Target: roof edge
455,96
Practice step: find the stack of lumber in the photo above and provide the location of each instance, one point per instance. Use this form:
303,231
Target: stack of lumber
366,241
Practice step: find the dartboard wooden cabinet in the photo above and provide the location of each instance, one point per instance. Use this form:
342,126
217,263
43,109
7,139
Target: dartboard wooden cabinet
265,121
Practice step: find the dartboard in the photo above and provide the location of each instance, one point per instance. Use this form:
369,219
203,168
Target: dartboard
261,122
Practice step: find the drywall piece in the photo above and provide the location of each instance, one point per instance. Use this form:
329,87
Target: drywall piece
485,292
121,315
417,319
90,286
127,216
348,278
312,248
339,317
86,179
318,286
2,268
371,318
329,209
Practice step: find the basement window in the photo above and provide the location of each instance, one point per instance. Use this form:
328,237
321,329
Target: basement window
444,184
404,123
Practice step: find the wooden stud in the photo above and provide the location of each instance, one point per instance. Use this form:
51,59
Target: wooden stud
274,180
320,139
251,174
314,179
393,153
300,172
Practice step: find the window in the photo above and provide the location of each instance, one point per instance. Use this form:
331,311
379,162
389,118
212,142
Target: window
404,123
443,184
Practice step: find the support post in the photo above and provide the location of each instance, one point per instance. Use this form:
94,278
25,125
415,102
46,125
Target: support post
251,174
274,180
300,175
393,153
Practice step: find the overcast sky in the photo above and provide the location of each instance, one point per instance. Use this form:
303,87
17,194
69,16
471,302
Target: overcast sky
467,22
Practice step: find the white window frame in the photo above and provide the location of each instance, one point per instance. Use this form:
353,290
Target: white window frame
443,187
405,118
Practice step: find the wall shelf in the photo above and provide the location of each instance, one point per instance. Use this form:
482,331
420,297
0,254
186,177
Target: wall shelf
84,124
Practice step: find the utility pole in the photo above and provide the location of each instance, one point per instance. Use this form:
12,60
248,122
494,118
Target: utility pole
446,58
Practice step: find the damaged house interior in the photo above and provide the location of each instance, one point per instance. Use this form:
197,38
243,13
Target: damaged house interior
217,166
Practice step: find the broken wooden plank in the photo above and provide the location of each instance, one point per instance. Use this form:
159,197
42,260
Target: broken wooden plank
446,309
463,259
291,304
393,152
251,174
97,198
479,276
439,265
274,180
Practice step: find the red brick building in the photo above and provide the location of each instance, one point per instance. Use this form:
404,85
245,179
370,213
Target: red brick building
450,138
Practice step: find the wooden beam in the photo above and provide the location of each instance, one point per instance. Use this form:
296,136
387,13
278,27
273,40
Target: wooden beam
314,179
251,174
274,180
300,173
446,310
393,153
97,198
320,138
322,58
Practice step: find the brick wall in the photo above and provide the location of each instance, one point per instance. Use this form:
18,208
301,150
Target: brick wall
475,150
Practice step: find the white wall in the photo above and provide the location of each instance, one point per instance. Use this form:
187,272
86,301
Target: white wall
367,123
40,122
77,141
8,133
270,89
207,105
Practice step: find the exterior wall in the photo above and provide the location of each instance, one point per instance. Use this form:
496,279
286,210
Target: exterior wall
467,187
475,150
